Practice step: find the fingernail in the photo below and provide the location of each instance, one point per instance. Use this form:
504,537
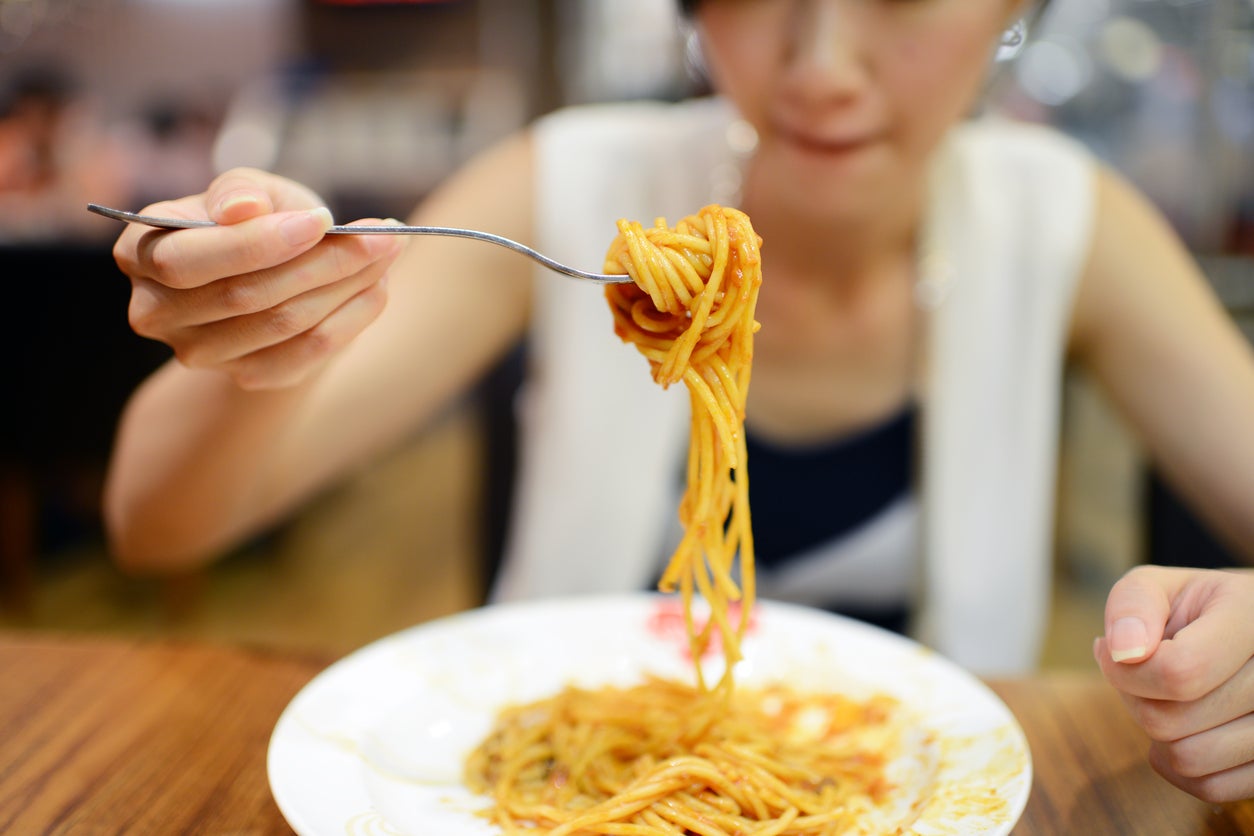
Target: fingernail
305,227
1128,639
236,199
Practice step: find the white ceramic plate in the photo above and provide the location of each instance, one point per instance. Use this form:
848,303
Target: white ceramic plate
375,743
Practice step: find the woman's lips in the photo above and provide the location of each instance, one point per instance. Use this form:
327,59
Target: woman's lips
830,144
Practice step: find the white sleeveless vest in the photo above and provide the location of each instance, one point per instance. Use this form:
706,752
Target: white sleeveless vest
601,444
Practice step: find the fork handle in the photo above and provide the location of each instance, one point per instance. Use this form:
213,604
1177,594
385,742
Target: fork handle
378,229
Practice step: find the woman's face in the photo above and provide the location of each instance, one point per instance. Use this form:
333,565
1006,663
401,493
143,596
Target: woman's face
849,97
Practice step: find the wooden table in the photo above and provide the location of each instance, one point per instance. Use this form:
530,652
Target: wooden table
101,735
1090,772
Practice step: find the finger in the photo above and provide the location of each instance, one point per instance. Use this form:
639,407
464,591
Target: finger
292,361
157,310
1213,644
135,238
244,193
1137,611
1233,784
189,258
1215,750
1169,720
221,342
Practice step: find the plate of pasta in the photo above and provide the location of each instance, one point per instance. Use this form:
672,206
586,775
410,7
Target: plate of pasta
867,732
707,712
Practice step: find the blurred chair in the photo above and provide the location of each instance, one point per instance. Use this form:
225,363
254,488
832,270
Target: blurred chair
1174,536
495,399
71,362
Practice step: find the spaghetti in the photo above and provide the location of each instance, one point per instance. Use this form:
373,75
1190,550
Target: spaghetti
664,757
690,313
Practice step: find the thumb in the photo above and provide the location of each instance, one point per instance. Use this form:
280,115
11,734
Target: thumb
239,195
245,193
1137,611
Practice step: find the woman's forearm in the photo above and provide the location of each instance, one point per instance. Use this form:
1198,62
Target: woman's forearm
194,467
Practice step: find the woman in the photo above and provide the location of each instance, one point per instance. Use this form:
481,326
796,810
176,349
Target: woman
916,265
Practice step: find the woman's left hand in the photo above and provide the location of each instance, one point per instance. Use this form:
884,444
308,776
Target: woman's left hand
1178,648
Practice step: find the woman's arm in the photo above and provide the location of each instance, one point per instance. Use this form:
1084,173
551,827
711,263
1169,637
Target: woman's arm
1150,329
1178,643
242,428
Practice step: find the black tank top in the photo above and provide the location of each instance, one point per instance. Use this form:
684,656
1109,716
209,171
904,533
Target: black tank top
805,496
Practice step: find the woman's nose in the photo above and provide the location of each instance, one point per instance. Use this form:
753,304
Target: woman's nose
826,47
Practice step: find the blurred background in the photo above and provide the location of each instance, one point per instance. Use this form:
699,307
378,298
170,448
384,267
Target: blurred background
128,101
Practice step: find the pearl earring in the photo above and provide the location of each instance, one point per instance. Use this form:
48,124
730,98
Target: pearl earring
694,59
1014,36
1012,40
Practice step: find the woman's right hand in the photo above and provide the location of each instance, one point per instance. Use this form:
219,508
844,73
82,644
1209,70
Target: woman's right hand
264,298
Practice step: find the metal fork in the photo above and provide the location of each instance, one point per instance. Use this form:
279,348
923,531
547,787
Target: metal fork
447,231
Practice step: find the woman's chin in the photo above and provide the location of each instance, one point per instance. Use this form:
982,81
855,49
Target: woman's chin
841,184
